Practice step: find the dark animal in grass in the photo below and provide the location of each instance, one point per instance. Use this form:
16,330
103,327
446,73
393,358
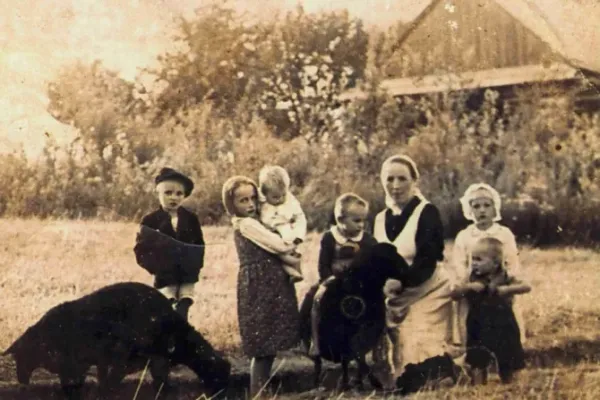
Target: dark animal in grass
432,370
121,328
353,311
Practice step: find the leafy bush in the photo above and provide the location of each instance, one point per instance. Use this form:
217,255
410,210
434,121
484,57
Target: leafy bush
240,94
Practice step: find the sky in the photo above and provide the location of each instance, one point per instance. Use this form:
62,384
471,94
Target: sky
37,37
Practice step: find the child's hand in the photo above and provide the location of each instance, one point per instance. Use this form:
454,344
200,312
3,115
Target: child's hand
477,287
348,251
492,289
290,259
288,248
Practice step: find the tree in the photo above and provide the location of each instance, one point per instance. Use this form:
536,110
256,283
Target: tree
279,66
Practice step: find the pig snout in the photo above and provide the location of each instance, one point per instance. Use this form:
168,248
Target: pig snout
209,365
214,371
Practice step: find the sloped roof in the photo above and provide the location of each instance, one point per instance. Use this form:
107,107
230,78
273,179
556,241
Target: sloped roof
471,80
527,13
532,17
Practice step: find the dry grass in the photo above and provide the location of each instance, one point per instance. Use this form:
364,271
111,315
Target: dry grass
43,263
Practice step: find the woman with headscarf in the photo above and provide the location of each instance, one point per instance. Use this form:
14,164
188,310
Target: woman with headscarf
481,204
419,311
267,305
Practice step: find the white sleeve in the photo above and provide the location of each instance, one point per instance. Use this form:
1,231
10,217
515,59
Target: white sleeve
511,252
379,227
253,230
459,263
299,226
266,214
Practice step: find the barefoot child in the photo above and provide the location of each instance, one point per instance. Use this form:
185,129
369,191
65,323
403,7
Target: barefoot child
492,330
176,282
281,212
481,204
339,246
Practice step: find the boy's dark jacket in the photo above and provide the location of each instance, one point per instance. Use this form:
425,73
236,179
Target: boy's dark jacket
148,255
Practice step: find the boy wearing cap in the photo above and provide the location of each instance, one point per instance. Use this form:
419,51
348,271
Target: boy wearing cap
172,219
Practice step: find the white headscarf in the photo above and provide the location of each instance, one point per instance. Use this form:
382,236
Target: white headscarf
471,194
389,201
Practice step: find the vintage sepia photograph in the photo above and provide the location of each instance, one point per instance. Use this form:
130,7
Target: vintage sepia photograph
299,199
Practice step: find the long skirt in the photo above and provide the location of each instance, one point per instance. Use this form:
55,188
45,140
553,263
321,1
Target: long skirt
425,332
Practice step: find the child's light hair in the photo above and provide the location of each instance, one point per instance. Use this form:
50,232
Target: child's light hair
493,247
273,177
228,191
342,203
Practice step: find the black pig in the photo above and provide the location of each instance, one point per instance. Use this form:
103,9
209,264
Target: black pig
121,328
353,311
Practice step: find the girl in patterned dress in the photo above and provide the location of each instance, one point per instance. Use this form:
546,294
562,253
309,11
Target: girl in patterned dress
267,305
481,204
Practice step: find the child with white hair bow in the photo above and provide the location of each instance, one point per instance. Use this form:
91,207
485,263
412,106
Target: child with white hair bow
481,204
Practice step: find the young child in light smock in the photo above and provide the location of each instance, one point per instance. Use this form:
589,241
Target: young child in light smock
282,213
481,204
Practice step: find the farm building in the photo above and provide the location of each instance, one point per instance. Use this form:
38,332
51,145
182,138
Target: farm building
471,45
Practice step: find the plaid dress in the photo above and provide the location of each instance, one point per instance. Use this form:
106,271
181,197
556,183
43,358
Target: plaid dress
267,305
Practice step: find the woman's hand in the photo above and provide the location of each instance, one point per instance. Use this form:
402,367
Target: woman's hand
396,312
392,288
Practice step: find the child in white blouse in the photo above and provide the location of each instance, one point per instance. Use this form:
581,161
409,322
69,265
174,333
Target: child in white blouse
281,212
481,204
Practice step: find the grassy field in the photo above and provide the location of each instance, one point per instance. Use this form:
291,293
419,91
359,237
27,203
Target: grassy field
43,263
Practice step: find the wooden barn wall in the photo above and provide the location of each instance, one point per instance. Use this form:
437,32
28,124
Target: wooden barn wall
470,35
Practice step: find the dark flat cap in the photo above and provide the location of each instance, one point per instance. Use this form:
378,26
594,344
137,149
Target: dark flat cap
169,174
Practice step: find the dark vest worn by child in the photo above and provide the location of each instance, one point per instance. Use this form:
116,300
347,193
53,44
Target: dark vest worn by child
188,230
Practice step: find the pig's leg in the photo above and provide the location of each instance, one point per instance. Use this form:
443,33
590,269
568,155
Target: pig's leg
363,370
109,380
345,375
318,362
72,378
159,369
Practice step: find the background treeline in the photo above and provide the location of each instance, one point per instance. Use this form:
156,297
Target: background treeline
239,93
